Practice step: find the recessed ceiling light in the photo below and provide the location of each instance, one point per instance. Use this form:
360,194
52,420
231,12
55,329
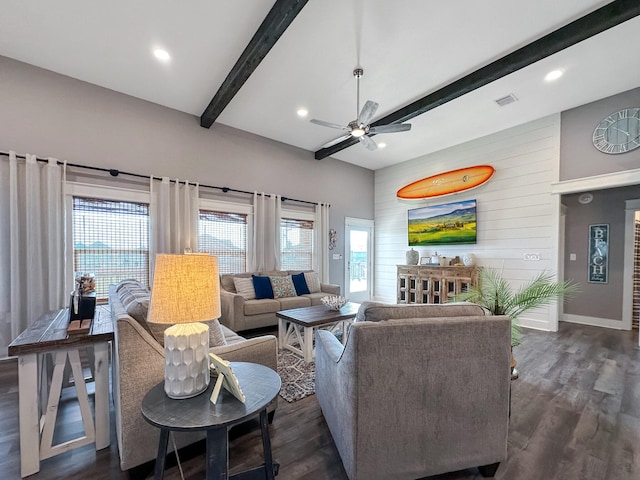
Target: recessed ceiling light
162,55
553,75
302,112
381,144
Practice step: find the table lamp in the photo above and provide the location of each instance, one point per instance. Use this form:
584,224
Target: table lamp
186,290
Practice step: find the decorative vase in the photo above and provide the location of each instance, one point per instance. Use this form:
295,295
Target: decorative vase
468,259
412,257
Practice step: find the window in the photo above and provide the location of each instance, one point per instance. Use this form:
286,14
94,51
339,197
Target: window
110,239
224,234
296,244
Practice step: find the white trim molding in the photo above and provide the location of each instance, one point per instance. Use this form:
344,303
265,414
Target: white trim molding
597,182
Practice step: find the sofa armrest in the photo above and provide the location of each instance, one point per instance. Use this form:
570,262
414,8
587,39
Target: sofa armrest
335,390
330,288
332,348
232,310
262,350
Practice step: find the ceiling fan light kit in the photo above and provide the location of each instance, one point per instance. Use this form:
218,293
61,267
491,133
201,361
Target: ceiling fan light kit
360,128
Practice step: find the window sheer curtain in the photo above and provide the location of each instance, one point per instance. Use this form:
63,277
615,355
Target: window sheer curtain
266,232
31,243
174,217
321,242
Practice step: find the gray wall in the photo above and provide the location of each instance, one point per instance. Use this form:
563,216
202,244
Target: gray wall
579,158
596,299
52,115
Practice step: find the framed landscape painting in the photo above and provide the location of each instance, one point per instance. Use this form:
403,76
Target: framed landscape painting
447,224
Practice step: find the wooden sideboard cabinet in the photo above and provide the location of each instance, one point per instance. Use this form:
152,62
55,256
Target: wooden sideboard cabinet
433,284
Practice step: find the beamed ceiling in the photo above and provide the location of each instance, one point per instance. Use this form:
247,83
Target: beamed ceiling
251,64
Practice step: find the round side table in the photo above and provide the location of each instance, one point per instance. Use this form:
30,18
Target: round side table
260,386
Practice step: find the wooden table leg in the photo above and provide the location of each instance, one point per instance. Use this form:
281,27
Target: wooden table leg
308,344
281,332
29,415
217,454
266,446
158,472
101,376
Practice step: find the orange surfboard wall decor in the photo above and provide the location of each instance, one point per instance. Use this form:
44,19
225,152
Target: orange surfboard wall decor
447,183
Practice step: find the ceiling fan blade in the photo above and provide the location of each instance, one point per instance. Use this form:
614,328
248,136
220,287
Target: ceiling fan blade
336,141
368,142
367,112
328,124
394,127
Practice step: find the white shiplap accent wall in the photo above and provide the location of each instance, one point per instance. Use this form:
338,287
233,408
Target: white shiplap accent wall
517,213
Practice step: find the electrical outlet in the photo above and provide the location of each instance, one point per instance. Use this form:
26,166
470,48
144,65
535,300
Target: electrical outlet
532,257
572,257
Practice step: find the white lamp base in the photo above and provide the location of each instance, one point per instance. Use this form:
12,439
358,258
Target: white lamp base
186,360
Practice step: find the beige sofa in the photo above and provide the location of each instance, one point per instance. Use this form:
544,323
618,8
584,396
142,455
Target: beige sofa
240,313
138,365
418,390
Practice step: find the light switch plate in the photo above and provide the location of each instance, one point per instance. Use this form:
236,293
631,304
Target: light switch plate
532,257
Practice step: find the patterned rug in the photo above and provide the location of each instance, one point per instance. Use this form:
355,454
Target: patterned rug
298,378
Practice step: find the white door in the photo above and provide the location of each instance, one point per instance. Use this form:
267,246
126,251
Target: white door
359,261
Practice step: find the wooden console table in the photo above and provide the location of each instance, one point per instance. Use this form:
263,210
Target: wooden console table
433,284
39,397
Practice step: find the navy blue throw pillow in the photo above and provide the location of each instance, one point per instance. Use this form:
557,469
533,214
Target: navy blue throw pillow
300,284
262,286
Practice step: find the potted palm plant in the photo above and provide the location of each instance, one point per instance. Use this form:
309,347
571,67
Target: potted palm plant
495,294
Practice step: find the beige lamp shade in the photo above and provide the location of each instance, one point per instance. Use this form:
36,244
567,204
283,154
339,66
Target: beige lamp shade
186,289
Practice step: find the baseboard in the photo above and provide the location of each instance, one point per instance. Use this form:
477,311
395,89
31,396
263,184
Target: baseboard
594,321
534,324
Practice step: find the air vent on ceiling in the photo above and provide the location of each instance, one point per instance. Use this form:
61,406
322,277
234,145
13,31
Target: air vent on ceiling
507,100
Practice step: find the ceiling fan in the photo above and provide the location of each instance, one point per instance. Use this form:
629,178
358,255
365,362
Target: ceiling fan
360,128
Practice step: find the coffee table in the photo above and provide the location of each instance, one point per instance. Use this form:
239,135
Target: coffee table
296,326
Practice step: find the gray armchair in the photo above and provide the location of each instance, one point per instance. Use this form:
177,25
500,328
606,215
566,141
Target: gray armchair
412,397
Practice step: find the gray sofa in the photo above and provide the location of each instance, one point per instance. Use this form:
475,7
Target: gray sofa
418,390
240,313
138,365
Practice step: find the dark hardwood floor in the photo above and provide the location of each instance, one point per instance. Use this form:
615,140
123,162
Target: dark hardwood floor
575,416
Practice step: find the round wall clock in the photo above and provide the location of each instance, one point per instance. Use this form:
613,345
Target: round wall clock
618,132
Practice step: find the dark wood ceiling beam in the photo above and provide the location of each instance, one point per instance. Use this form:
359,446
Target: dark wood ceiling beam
271,29
596,22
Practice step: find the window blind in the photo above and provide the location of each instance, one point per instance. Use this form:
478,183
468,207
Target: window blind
111,240
224,235
296,244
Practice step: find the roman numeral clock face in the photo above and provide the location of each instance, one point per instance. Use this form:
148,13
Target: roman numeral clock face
619,132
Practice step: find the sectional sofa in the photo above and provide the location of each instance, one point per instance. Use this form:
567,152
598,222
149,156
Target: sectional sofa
244,309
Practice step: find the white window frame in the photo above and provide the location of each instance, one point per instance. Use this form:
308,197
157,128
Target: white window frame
116,194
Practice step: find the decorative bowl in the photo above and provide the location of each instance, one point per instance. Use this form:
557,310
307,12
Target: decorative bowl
334,302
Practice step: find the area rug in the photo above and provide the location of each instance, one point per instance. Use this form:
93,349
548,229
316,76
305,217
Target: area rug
298,377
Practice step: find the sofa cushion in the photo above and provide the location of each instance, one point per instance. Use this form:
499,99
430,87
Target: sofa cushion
377,311
135,300
313,281
262,286
216,334
256,307
244,287
294,302
315,298
300,284
282,286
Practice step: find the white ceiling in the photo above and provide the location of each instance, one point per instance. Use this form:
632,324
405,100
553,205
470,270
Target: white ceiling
408,48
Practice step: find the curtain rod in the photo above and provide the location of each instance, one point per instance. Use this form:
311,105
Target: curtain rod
115,172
